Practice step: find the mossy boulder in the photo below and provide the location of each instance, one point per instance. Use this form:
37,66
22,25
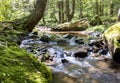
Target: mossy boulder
17,66
72,26
112,38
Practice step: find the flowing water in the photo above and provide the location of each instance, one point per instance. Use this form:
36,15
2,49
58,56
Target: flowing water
66,68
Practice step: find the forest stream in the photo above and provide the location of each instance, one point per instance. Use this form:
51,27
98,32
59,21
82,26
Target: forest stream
74,57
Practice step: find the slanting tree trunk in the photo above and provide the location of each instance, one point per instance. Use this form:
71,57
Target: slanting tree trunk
118,17
36,15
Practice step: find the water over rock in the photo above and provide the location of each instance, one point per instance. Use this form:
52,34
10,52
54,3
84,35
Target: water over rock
81,52
79,41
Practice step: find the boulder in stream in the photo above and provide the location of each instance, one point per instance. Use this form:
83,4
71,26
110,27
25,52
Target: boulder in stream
112,38
62,41
79,41
82,52
45,38
68,36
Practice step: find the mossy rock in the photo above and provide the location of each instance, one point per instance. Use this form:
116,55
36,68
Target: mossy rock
17,66
112,38
72,26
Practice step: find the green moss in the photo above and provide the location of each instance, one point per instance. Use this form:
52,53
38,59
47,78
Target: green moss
72,26
113,34
17,66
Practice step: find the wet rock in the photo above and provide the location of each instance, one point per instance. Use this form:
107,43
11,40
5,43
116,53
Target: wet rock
112,36
96,55
103,51
45,38
79,41
68,36
59,53
95,34
95,49
64,61
45,57
68,53
97,43
62,41
42,50
33,35
116,55
81,52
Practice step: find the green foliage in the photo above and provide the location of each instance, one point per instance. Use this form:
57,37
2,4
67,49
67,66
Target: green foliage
99,28
14,9
112,34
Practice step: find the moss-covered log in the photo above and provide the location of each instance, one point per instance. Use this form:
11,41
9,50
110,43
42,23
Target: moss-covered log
77,25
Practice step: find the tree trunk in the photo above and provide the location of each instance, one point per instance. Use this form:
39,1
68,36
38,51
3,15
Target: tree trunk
73,10
101,7
118,17
97,10
81,9
111,7
67,10
61,11
36,15
69,15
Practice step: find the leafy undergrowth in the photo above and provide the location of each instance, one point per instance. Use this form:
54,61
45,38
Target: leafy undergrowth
17,66
99,28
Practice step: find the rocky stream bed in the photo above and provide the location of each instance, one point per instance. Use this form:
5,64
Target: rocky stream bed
74,57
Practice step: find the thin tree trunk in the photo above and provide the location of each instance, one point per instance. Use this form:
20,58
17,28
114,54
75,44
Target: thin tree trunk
36,15
59,7
101,7
97,10
81,9
118,17
111,7
67,10
61,11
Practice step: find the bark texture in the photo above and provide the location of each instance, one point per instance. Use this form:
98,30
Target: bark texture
36,15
